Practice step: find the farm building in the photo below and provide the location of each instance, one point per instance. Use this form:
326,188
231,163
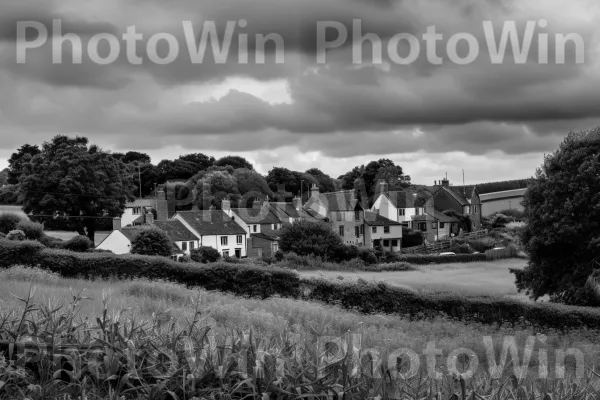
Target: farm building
499,201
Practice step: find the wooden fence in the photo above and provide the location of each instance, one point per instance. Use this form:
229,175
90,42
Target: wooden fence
499,254
441,245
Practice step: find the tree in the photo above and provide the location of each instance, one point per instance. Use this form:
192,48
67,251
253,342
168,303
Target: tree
324,181
349,178
235,161
562,235
152,241
214,187
202,161
70,180
287,184
205,254
133,157
178,169
9,222
309,238
4,177
16,161
251,183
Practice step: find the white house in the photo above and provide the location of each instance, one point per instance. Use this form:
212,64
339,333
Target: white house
119,241
182,237
216,229
382,232
135,211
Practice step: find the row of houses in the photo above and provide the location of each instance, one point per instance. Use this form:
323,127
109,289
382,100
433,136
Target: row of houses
255,231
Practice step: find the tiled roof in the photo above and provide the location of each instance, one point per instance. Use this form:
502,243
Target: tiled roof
130,233
507,194
283,211
211,222
457,195
176,230
437,215
264,236
149,202
374,219
336,201
256,216
408,199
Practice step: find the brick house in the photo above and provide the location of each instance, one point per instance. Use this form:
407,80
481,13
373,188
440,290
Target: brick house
343,211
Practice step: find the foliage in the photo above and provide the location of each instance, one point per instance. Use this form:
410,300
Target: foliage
214,187
464,221
324,181
423,259
9,195
499,220
562,236
133,157
411,238
32,230
286,184
17,161
152,241
234,161
16,235
366,178
78,244
9,222
4,177
482,245
492,187
70,178
205,254
251,184
308,238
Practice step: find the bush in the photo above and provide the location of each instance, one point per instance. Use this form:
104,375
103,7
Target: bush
78,244
2,235
243,280
152,241
379,298
411,238
390,267
367,256
16,235
8,222
461,248
51,242
105,251
278,255
482,245
32,230
310,238
205,254
500,221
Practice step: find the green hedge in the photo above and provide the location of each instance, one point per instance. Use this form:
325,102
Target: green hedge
422,259
262,282
379,298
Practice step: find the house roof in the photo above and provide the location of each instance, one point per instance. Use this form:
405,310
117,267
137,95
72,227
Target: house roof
283,211
265,236
211,222
407,199
507,194
176,230
437,215
130,233
457,195
374,219
256,216
336,201
149,202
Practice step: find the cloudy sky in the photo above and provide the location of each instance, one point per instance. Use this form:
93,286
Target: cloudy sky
493,121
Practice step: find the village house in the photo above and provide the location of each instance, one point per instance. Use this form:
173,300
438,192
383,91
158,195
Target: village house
216,229
383,233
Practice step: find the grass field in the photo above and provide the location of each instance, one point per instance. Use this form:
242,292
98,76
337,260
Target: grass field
470,279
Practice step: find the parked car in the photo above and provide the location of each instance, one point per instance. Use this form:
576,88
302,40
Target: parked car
448,253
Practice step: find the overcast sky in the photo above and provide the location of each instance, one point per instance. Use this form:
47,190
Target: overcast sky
493,121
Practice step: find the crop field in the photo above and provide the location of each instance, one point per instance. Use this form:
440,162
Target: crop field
468,279
121,318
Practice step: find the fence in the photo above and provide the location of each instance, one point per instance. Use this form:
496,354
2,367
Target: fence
499,254
443,244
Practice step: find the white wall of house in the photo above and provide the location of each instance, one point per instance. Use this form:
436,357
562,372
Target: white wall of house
232,244
373,233
116,242
189,245
406,214
128,216
384,207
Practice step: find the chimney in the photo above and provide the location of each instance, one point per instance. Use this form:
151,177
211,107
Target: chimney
434,183
162,207
314,191
257,204
297,203
446,183
382,187
149,218
116,224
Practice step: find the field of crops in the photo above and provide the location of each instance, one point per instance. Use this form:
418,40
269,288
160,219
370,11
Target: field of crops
141,339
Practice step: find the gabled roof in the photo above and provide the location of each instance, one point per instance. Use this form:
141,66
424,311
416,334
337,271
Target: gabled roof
176,230
284,211
211,222
407,199
437,216
130,233
507,194
457,196
256,216
374,219
265,236
336,201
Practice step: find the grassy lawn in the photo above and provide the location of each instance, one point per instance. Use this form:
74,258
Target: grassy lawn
470,279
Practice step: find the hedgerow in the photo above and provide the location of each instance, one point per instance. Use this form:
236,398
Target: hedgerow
423,259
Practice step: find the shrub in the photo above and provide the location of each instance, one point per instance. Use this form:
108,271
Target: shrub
105,251
423,259
482,245
309,238
367,256
2,235
152,241
278,255
16,235
243,280
51,242
8,222
78,244
411,238
32,230
390,267
205,254
500,221
459,248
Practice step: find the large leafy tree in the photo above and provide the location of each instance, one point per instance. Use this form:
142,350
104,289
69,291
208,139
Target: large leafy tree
69,179
235,161
288,184
310,238
562,235
325,182
202,161
132,157
152,241
251,183
4,177
16,161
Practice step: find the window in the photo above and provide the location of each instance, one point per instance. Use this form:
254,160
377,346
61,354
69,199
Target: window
356,215
240,239
386,229
434,225
338,215
274,227
255,228
475,209
192,245
442,225
374,229
226,253
422,226
275,247
386,243
184,246
401,212
362,230
224,240
137,210
395,243
417,211
342,230
357,231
